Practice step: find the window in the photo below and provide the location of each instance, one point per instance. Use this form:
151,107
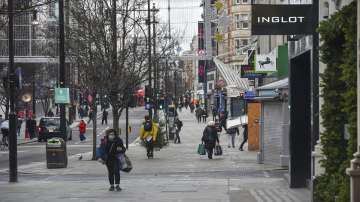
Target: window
242,21
244,42
210,86
238,21
237,43
52,10
240,43
241,1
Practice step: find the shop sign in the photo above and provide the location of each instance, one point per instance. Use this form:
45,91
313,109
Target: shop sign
266,62
270,19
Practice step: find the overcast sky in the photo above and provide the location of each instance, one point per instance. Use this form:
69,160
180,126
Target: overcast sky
184,15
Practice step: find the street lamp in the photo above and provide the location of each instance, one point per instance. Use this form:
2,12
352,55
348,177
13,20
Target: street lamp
13,177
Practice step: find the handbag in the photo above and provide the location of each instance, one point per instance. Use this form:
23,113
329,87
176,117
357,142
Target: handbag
125,163
218,150
201,149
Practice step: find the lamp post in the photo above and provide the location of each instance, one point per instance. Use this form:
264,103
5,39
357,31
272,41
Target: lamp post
149,52
62,72
13,175
354,170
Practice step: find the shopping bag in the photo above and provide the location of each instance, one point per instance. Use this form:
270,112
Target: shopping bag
125,163
100,153
201,149
218,150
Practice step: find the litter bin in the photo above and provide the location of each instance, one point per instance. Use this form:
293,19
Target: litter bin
56,155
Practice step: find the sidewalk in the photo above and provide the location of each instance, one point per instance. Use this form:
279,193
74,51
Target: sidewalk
177,173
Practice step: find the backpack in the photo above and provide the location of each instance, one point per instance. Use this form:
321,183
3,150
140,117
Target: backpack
148,126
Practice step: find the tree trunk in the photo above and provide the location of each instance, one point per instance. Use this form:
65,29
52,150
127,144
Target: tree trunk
116,117
94,117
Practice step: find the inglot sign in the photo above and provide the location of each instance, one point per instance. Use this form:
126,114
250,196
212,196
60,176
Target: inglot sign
282,19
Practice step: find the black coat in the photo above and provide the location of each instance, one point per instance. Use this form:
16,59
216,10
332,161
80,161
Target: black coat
210,137
113,148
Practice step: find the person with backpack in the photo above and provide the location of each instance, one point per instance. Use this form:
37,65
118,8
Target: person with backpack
210,138
82,130
231,136
148,134
179,125
113,148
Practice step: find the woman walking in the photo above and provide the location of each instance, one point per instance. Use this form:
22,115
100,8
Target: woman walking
113,149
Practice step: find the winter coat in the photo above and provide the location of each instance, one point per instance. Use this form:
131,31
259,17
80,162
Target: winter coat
82,127
154,131
210,137
113,148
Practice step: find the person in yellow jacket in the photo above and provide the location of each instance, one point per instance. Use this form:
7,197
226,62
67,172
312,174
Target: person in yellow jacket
148,134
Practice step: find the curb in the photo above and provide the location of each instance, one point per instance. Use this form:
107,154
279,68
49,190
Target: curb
27,142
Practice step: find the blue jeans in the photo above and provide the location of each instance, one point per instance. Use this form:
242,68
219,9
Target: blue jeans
82,137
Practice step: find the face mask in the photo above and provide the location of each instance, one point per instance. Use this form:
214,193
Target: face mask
111,137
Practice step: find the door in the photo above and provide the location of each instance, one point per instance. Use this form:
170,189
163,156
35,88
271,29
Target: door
254,112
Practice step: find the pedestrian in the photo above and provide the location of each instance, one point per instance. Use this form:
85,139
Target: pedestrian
80,112
223,120
114,147
148,134
50,113
198,113
91,114
4,126
1,118
192,108
214,112
179,125
245,136
104,117
231,136
210,138
18,126
31,126
82,130
204,115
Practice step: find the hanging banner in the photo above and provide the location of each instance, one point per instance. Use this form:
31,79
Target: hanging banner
248,71
201,40
201,71
270,19
266,62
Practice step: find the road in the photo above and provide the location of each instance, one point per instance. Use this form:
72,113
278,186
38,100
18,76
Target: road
35,152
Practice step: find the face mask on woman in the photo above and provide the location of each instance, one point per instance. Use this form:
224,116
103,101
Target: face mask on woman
111,137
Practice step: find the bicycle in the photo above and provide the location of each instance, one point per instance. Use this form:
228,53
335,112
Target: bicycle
3,144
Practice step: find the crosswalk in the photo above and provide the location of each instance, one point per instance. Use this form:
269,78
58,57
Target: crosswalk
275,195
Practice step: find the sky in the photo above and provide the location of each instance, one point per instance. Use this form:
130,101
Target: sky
184,15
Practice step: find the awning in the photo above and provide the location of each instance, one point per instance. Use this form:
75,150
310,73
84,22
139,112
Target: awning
281,84
232,78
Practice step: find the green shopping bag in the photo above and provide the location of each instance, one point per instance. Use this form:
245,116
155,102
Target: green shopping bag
201,149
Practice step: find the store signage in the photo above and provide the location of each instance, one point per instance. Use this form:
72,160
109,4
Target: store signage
62,96
270,19
266,62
